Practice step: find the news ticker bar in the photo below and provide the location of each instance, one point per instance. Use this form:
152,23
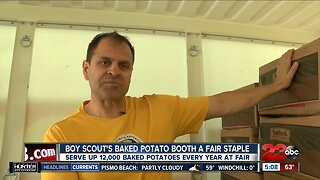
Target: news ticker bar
38,167
181,152
158,157
160,148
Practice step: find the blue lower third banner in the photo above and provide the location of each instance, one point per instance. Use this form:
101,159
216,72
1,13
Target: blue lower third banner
253,167
104,167
97,167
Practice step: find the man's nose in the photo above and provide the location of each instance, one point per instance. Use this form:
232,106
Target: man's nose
114,70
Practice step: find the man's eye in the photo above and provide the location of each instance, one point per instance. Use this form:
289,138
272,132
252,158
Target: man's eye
104,62
124,66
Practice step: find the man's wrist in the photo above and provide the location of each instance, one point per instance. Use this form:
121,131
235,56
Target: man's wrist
277,86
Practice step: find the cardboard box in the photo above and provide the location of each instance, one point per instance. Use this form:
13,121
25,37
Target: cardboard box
287,176
240,135
301,132
275,176
246,118
241,176
298,175
302,97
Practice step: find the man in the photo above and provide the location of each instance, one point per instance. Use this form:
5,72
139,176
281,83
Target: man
111,116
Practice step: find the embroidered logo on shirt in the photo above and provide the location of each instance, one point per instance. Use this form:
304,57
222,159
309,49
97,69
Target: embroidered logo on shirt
128,138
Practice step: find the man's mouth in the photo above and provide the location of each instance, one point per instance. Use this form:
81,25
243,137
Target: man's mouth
112,82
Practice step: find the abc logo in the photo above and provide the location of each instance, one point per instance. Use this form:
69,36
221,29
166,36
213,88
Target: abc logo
279,152
291,152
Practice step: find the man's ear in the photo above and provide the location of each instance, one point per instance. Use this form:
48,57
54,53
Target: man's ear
85,69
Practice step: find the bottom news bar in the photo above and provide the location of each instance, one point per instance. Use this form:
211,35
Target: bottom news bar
97,167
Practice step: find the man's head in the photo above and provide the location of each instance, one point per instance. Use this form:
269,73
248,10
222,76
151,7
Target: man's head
113,35
109,66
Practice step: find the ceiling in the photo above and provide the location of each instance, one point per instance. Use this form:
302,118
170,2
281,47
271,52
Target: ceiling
291,15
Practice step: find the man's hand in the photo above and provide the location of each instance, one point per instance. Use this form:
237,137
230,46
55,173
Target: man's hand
285,70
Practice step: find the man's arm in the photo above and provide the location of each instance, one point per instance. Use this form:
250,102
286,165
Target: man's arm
238,100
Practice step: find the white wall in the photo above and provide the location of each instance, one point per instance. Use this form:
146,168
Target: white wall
7,37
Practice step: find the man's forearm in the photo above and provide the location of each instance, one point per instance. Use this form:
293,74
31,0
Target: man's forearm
238,100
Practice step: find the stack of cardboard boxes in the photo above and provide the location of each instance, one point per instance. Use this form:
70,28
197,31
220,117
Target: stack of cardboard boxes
292,116
241,127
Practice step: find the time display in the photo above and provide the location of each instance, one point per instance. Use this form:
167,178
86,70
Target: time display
270,166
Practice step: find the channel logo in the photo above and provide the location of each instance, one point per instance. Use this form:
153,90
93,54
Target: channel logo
279,152
23,167
40,152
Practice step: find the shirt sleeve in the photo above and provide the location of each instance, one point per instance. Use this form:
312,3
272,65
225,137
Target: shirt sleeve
54,134
189,114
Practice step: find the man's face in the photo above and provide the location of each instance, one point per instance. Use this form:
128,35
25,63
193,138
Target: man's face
110,69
